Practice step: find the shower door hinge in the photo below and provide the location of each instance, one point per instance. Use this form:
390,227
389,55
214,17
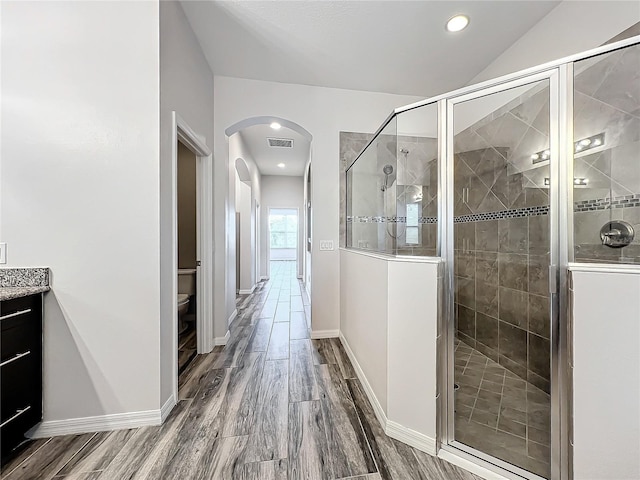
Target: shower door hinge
553,279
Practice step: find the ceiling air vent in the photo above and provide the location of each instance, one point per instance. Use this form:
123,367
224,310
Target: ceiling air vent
280,142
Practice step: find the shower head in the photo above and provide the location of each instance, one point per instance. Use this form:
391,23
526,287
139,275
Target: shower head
387,170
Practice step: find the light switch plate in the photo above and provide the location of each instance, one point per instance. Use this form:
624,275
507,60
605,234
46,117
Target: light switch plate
326,245
3,253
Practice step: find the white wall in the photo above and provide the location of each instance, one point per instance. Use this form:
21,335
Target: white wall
307,223
412,319
79,176
389,315
570,28
281,191
186,86
246,254
324,112
363,316
606,375
236,149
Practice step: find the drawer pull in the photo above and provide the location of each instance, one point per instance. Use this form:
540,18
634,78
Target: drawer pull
15,314
17,414
13,359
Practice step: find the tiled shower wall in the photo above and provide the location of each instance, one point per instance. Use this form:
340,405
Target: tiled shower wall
351,144
418,178
607,100
414,180
502,298
501,228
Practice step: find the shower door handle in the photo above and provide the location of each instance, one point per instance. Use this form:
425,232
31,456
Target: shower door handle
553,279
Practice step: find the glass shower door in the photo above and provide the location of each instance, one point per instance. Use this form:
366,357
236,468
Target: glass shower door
500,386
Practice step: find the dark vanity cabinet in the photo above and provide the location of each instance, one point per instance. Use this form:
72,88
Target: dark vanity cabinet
21,369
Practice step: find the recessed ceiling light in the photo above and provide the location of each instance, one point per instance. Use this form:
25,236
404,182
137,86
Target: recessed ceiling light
275,125
457,23
281,165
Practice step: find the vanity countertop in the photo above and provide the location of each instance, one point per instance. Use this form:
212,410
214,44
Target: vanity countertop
21,282
9,293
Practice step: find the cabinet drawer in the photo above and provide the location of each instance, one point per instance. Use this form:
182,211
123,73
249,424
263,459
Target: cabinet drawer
10,307
12,433
20,370
21,386
20,327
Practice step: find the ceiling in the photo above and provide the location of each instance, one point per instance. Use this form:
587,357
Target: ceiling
267,158
380,46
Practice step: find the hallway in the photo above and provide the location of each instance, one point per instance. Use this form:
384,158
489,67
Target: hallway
272,404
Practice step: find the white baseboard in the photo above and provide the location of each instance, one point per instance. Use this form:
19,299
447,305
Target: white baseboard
99,423
316,334
408,436
232,317
247,292
411,437
377,408
167,407
222,340
393,429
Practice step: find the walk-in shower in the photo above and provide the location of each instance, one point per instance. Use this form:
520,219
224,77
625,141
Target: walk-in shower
402,162
507,183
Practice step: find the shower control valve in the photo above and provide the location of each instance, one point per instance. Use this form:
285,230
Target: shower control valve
616,234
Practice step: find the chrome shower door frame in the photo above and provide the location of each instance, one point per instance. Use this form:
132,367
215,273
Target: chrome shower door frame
558,130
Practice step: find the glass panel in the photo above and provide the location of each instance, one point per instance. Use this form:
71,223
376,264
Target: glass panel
371,194
291,222
277,240
501,259
291,240
417,182
392,188
283,228
276,223
606,157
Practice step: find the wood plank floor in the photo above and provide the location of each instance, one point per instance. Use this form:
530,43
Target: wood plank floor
272,404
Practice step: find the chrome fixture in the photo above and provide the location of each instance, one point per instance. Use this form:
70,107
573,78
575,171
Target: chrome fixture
387,170
616,234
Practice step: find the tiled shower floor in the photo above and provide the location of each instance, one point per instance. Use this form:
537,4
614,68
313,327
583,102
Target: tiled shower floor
498,413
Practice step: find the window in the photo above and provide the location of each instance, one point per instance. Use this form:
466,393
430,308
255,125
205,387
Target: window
283,228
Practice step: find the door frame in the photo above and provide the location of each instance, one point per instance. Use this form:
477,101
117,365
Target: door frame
558,170
182,132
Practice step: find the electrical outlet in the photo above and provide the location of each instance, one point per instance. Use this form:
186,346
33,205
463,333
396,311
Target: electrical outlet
326,245
3,253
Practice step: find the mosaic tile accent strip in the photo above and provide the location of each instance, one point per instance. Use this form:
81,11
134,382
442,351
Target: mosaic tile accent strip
24,277
370,219
514,213
625,201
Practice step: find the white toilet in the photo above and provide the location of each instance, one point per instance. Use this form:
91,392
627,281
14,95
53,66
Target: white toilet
186,288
